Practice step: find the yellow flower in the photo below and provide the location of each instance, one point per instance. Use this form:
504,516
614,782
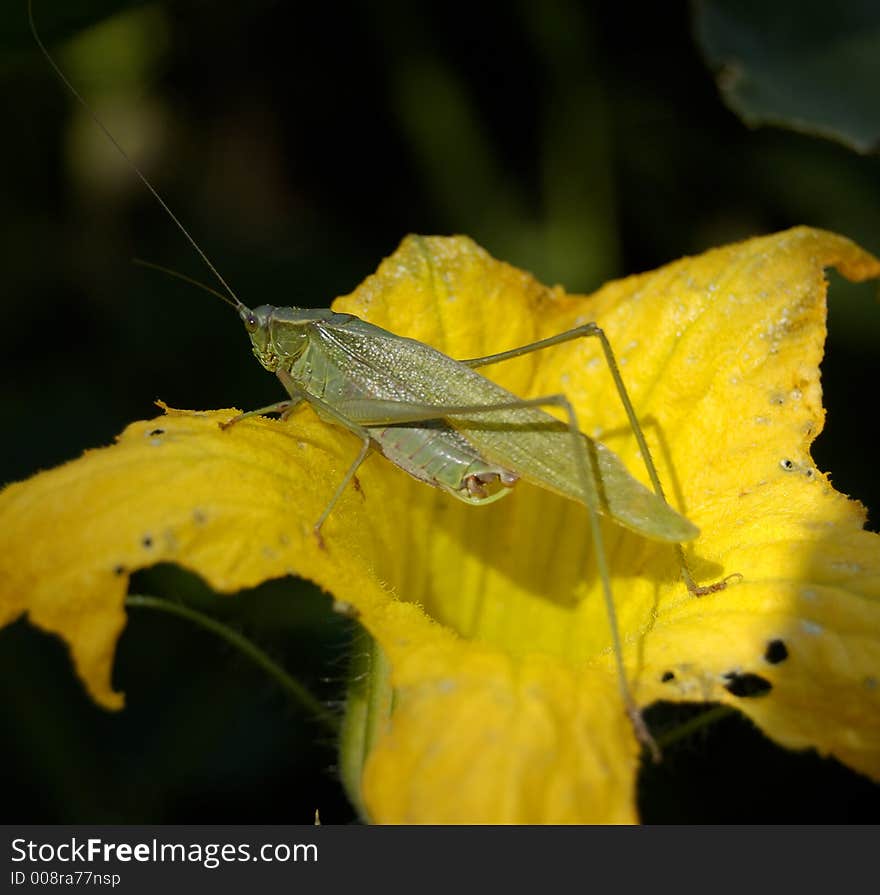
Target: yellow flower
502,703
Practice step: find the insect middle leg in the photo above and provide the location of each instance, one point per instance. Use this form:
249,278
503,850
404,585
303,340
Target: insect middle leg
340,488
285,408
593,330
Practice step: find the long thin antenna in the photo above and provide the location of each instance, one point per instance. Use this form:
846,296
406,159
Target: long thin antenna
177,275
143,178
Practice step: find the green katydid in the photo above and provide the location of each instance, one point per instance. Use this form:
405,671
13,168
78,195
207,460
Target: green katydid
444,423
439,420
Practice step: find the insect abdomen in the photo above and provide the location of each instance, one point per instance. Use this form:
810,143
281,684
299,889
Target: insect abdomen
438,455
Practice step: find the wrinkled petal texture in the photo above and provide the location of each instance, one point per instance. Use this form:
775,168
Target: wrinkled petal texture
506,705
720,354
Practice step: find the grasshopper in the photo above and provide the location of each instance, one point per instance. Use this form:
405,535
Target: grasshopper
448,426
442,422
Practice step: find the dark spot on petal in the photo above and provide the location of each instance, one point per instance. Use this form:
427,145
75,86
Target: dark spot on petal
147,541
156,432
119,570
667,676
776,652
787,465
746,684
199,517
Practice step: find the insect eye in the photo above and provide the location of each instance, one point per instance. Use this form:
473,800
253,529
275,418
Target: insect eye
251,323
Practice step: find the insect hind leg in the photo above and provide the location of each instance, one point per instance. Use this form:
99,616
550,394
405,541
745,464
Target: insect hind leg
593,330
584,463
585,469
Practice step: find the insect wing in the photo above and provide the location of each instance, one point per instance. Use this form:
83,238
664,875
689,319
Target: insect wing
537,446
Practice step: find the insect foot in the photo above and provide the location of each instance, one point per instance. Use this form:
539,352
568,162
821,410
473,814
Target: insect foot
702,590
643,734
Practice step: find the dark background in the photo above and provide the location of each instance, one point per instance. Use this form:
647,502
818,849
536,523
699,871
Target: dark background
300,142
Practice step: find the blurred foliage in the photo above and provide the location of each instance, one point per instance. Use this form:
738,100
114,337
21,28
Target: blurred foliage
56,21
808,65
300,142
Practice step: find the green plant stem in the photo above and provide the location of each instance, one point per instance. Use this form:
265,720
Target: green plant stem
368,705
292,687
711,716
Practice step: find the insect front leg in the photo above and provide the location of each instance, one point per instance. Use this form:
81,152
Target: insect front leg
285,408
593,330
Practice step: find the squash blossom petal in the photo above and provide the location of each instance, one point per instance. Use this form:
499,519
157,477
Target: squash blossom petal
490,620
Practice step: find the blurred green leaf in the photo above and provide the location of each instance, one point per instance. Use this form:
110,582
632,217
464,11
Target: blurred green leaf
55,20
808,66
